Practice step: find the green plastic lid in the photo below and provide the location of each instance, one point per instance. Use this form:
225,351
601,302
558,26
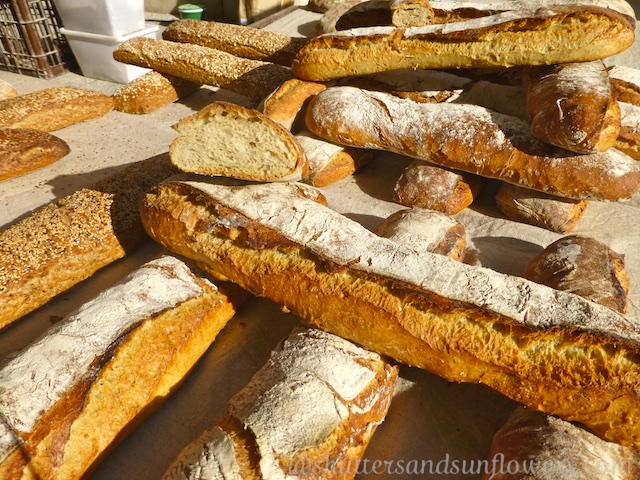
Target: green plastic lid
190,7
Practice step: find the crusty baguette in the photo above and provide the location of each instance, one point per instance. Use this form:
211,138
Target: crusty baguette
239,40
286,104
425,230
536,446
53,108
329,162
152,91
23,150
252,78
560,215
545,36
548,349
308,413
67,241
572,106
469,138
435,188
7,90
582,265
625,81
225,139
628,140
93,376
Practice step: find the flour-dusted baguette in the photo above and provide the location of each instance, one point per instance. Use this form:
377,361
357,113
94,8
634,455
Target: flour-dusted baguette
286,104
66,241
254,79
226,139
152,91
572,106
329,162
585,266
535,446
543,36
53,108
428,186
469,138
91,378
560,215
425,230
548,349
308,413
239,40
23,150
625,81
628,140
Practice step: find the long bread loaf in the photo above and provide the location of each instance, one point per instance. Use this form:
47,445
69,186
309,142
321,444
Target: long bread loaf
310,411
551,350
469,138
91,378
65,242
543,36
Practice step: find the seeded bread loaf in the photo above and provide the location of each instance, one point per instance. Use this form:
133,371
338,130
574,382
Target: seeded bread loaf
469,138
254,79
311,410
152,91
239,40
23,150
548,349
53,108
65,242
71,395
560,215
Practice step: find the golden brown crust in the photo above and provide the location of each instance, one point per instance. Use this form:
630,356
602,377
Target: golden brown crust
285,104
65,242
7,90
53,108
584,266
544,37
252,78
435,188
578,375
242,41
572,106
152,91
560,215
23,150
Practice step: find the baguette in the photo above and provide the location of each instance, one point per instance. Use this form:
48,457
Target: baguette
252,78
551,350
560,215
329,162
625,81
628,140
7,90
53,108
572,106
584,266
239,40
152,91
469,138
66,398
545,36
428,186
23,150
234,141
308,413
536,446
65,242
286,104
425,230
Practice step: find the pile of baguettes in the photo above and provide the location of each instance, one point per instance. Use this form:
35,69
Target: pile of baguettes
428,81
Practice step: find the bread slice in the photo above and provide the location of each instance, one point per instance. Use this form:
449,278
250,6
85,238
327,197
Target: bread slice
233,141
